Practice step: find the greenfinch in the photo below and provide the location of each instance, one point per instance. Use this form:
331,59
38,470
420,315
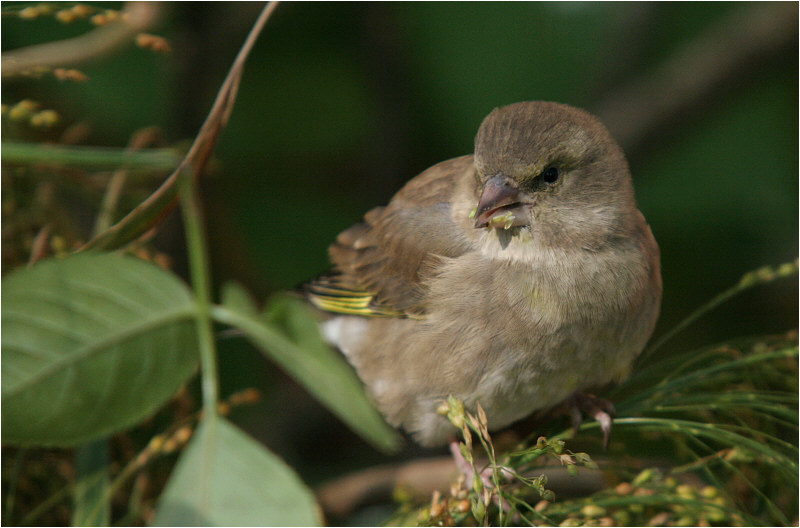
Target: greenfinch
512,278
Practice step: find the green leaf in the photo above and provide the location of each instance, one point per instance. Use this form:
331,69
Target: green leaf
225,478
91,344
290,337
236,296
297,322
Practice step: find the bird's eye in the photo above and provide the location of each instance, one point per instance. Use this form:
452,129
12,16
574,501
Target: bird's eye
550,174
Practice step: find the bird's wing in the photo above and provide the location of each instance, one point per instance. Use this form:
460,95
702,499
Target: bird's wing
380,265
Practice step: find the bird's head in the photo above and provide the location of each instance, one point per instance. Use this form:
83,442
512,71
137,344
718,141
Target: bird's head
542,164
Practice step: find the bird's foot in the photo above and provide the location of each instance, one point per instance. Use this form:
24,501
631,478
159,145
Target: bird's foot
603,411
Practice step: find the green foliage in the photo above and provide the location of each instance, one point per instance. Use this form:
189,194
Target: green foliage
95,342
224,477
91,344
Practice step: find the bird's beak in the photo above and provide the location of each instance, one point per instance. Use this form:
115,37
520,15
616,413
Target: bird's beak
499,201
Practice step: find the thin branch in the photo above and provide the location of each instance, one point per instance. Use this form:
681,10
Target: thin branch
340,497
135,18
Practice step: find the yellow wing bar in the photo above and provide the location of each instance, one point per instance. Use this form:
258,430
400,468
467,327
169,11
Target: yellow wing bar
339,299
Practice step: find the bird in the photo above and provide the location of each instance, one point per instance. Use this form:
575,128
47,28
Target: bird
512,278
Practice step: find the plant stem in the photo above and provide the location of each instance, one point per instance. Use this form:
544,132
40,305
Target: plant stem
201,281
89,157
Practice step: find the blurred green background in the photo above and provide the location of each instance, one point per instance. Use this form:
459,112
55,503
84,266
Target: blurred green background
341,103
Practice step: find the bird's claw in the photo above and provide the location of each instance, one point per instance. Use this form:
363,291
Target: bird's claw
601,410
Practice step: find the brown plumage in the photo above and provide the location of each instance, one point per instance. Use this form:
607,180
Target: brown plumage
512,277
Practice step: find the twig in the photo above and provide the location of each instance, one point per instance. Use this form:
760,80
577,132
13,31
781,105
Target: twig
155,207
136,17
343,495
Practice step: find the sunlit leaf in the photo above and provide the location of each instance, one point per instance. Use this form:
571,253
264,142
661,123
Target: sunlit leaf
225,478
91,344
